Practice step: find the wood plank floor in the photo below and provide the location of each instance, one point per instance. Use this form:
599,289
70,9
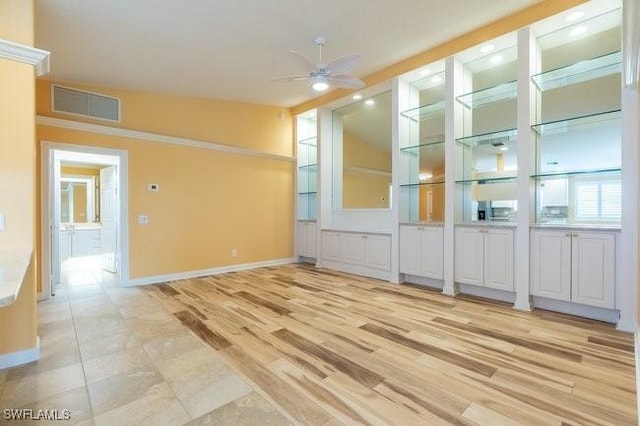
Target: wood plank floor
331,348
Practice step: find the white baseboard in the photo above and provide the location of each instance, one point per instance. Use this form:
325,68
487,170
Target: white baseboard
592,312
155,279
636,336
24,356
489,293
433,283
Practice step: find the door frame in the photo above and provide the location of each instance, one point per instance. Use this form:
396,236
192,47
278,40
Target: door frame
47,167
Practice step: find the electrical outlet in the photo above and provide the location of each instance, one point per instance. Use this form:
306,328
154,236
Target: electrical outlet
153,187
234,253
143,219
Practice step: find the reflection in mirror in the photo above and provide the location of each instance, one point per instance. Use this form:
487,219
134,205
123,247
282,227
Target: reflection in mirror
77,200
362,154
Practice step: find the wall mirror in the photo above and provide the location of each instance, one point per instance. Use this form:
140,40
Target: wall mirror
362,154
76,200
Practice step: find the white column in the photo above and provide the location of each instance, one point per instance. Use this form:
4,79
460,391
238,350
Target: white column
395,181
525,114
453,122
629,253
325,188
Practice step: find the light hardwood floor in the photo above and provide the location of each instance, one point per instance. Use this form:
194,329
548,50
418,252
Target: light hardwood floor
331,348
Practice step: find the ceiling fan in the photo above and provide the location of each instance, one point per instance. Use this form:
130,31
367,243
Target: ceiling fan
324,76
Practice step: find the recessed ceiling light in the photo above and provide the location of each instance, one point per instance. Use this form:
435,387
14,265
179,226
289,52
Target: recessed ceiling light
487,48
425,71
356,97
437,79
425,176
369,102
574,16
578,31
496,59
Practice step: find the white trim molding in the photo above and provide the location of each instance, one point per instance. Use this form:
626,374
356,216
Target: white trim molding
24,356
26,54
154,137
156,279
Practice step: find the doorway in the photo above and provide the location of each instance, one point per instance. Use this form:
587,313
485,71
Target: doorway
85,231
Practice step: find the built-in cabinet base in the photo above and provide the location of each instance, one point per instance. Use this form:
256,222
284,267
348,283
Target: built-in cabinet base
357,253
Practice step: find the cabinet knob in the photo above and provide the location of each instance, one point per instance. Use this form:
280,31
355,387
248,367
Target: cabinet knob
568,234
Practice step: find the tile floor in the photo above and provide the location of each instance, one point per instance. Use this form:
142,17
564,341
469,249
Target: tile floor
114,356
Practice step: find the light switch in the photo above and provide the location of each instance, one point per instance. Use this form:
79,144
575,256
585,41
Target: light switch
153,187
2,222
143,219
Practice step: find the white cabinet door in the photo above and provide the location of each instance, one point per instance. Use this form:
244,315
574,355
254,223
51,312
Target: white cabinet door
593,269
85,242
354,249
469,268
331,246
65,245
551,264
498,259
432,252
410,250
311,240
307,239
378,252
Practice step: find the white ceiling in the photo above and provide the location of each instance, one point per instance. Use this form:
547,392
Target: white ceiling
233,49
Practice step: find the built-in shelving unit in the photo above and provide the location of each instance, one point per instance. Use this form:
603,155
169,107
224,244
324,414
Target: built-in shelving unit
422,149
307,166
486,150
578,144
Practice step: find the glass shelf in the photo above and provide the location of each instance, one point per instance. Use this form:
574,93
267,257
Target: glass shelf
501,92
308,166
493,137
415,149
424,112
481,181
561,174
581,122
308,141
417,185
589,69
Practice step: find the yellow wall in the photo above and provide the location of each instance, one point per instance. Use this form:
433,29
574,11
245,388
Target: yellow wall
362,190
209,202
260,127
18,325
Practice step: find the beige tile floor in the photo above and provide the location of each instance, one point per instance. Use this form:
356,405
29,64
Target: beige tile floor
114,356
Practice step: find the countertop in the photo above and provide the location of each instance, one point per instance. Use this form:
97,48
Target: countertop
14,263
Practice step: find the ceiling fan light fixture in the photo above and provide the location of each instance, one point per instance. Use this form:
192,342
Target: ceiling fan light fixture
320,83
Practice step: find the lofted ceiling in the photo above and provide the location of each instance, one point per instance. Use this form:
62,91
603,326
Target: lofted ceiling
233,49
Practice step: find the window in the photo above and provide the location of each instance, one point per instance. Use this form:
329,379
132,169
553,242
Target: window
599,201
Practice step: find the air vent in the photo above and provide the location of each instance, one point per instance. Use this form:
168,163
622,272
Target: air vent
87,104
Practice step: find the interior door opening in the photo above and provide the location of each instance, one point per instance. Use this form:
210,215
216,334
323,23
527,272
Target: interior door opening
86,217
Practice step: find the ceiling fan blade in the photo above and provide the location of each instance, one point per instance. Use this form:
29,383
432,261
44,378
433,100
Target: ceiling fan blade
346,82
292,78
303,61
344,64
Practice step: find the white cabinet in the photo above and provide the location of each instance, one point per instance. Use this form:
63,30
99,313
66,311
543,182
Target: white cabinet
421,250
331,247
358,253
378,252
484,257
79,242
574,266
307,239
65,245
